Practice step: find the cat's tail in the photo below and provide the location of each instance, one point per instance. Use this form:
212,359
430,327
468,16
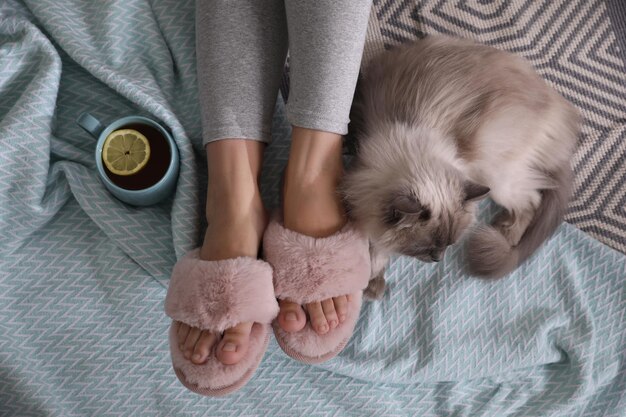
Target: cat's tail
489,253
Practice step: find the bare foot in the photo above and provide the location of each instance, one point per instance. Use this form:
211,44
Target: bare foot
237,220
313,207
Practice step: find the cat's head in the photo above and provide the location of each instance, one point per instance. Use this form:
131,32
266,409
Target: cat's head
411,201
423,221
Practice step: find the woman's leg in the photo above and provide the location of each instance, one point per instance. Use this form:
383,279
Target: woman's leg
241,46
326,39
241,49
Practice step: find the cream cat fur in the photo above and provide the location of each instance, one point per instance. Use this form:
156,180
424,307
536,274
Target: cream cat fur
444,122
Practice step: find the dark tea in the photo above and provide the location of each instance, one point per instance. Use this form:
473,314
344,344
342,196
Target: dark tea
155,167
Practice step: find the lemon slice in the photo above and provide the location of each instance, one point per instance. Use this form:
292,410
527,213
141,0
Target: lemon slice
125,152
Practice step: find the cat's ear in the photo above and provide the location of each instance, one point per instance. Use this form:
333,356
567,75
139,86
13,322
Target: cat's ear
406,204
474,192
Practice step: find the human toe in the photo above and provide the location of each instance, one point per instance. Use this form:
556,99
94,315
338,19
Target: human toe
234,344
328,307
190,342
181,334
291,317
341,307
203,347
317,317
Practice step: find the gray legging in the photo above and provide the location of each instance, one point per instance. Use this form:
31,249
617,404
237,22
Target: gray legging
241,50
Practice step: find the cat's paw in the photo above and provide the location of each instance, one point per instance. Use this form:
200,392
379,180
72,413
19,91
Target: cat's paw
512,234
375,288
513,224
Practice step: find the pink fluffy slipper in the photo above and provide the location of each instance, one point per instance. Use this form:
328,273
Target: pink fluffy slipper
216,295
308,269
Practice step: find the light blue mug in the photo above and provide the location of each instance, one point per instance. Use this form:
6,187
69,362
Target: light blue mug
146,196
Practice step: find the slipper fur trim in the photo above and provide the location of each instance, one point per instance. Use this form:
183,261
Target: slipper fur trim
217,295
308,269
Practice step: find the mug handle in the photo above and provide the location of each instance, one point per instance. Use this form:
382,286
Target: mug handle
90,124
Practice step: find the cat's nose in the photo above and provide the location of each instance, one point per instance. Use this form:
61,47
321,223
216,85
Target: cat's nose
436,255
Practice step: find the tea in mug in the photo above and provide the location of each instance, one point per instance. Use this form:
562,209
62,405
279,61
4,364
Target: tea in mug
150,164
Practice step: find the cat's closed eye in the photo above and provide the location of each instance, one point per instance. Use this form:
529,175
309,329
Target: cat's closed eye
393,216
425,215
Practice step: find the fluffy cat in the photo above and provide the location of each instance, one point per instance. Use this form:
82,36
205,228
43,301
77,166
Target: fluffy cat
443,123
